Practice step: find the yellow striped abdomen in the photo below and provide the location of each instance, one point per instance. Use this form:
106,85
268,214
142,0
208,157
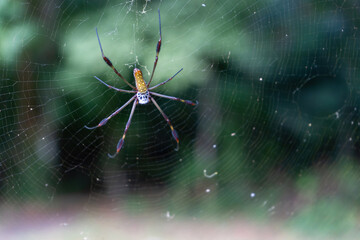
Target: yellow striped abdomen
142,90
139,80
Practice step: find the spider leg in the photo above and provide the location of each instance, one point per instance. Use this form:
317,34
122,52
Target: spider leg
121,141
175,98
108,62
104,121
162,83
158,46
173,131
117,89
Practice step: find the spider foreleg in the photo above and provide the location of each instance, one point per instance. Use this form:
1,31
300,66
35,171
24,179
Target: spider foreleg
175,98
109,63
158,47
162,83
117,89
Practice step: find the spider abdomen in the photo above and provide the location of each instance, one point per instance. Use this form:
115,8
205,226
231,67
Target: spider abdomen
139,80
141,88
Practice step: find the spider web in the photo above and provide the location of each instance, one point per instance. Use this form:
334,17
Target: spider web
275,132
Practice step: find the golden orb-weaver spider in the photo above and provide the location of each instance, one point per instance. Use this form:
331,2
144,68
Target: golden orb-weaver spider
143,94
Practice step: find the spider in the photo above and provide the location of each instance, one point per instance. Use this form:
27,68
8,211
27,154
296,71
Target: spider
143,94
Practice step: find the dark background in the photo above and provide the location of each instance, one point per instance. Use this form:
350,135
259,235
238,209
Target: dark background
278,115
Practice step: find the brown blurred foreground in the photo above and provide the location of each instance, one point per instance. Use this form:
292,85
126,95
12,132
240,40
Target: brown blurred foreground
70,220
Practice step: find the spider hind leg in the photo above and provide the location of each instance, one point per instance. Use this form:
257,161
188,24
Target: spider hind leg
122,139
102,123
176,137
173,131
105,120
118,147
